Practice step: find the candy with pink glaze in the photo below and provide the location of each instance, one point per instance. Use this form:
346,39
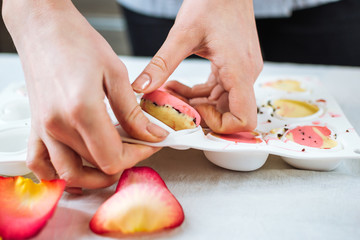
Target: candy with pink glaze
312,136
240,137
162,98
170,110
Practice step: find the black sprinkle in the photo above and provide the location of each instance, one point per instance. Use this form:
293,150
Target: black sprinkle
272,115
303,150
269,121
263,105
155,104
269,103
261,112
309,136
303,133
285,125
303,139
194,120
279,135
347,131
258,110
177,110
285,129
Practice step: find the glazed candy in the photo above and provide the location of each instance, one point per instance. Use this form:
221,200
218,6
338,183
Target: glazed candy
312,136
240,137
170,110
289,108
287,85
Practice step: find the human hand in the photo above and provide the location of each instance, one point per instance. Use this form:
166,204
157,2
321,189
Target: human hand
69,69
225,33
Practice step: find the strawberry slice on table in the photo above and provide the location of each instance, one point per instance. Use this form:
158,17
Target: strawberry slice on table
141,204
26,206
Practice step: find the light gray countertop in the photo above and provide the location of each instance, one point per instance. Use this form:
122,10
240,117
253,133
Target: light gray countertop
275,202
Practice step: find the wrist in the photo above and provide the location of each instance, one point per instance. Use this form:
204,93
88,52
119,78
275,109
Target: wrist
24,18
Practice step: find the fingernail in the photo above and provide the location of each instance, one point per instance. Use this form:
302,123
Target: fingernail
156,131
141,83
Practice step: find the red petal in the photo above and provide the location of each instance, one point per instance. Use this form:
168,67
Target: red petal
139,175
142,204
26,206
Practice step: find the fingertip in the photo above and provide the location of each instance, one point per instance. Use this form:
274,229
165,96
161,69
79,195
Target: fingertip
137,125
114,167
141,83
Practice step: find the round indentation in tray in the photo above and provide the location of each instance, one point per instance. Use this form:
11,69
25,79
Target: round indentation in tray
239,137
18,109
295,110
14,140
286,85
21,90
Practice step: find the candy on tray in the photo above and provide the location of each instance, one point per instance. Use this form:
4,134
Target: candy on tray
287,85
169,109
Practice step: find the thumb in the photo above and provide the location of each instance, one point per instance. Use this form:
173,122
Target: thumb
126,109
175,49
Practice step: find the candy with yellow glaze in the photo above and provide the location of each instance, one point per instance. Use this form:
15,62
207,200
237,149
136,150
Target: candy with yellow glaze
289,108
287,85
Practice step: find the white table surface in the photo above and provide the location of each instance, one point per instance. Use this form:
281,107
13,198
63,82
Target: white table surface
274,202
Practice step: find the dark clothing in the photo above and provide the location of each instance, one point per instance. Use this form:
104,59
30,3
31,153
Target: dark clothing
147,34
328,34
6,43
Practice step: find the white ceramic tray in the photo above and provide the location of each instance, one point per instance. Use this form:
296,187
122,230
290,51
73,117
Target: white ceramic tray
272,131
271,139
14,129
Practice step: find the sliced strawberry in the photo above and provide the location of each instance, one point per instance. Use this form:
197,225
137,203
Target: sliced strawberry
139,175
26,206
142,204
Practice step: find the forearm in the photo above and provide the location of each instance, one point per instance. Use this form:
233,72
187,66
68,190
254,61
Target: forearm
26,19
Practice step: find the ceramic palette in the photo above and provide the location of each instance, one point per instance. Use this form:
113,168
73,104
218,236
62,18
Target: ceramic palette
297,120
14,129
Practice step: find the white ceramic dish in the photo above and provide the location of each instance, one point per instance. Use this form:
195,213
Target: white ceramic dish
234,155
248,157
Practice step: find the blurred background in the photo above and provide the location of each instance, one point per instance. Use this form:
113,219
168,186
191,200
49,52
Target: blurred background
103,15
325,34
